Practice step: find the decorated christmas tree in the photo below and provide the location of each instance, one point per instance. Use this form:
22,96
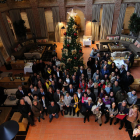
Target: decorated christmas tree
72,56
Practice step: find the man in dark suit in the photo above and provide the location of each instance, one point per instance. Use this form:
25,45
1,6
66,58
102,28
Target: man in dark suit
95,66
41,93
34,67
98,58
25,110
127,80
122,71
92,95
71,90
21,92
131,60
57,95
74,82
41,66
80,71
59,73
45,103
54,86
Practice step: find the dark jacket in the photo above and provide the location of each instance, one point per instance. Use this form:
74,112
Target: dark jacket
92,95
71,93
74,83
56,97
60,75
46,102
79,72
41,66
36,109
53,109
131,58
128,80
95,67
24,109
125,111
50,96
35,68
40,94
20,95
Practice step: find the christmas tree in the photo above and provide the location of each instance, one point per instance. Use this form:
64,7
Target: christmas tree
72,56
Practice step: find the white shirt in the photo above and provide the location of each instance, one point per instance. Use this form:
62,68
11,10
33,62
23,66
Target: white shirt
43,103
68,80
58,74
79,95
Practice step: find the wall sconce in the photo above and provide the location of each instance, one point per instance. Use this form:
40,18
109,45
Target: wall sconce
63,27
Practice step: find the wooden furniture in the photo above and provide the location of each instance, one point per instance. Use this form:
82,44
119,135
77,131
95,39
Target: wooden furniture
113,47
136,85
17,65
6,83
23,124
4,115
135,64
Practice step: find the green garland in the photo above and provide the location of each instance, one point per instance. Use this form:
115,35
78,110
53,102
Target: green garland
3,1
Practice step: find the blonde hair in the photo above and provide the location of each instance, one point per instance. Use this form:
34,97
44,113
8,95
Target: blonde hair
135,106
96,84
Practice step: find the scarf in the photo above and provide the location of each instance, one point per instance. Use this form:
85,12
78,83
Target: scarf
48,84
99,104
49,71
76,106
83,86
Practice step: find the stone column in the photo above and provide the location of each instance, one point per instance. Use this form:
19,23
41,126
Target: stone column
116,15
88,16
34,5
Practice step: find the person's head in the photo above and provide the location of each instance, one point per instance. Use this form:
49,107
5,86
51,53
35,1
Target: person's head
58,91
75,73
96,62
113,74
34,62
95,85
135,108
38,76
89,99
93,49
65,83
89,59
79,90
107,54
46,66
35,102
67,94
22,102
105,62
104,68
116,83
134,92
53,83
102,90
128,73
35,88
35,74
109,84
85,94
113,105
62,97
97,71
19,87
73,77
102,81
50,76
88,91
54,76
70,86
75,95
100,100
98,54
67,76
31,86
35,97
43,97
116,70
54,67
106,97
57,69
41,90
83,80
50,89
52,103
90,81
113,64
40,60
63,89
111,94
47,80
118,76
122,66
105,76
49,69
60,80
81,67
39,82
124,103
97,77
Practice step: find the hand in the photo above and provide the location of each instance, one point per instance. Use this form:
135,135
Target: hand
29,113
29,94
45,107
61,105
53,114
40,112
71,97
111,115
107,110
67,105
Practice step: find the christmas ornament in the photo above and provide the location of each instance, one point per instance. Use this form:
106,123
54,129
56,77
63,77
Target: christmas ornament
69,60
75,68
69,39
68,45
62,49
65,33
74,51
67,69
65,51
80,51
63,58
75,34
72,14
74,26
75,57
81,58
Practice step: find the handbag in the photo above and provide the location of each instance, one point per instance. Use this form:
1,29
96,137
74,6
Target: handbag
121,116
83,109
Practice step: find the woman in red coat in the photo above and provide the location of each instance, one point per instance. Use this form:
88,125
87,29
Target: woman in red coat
83,86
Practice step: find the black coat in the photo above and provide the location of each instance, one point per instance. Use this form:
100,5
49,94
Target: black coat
89,64
35,68
71,93
125,111
131,58
128,80
20,95
92,95
54,87
24,109
50,96
40,95
46,102
53,109
60,75
74,83
56,97
79,72
94,67
123,73
41,66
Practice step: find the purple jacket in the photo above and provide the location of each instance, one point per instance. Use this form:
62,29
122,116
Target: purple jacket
106,102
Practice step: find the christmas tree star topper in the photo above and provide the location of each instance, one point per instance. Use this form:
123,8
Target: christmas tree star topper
72,14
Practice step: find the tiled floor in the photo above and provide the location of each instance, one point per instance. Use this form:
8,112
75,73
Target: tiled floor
75,129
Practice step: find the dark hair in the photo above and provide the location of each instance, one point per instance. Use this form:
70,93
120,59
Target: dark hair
116,107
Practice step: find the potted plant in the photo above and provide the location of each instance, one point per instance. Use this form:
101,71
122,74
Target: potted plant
20,29
134,25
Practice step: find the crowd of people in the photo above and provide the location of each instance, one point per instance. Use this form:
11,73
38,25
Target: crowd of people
100,89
